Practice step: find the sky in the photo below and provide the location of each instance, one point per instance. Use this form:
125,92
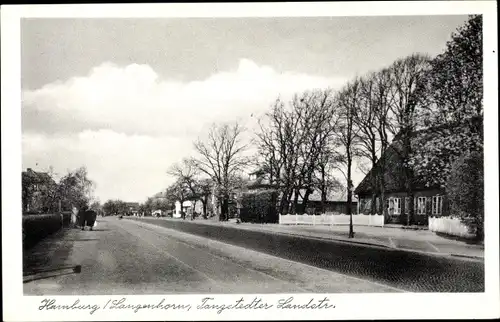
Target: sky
127,97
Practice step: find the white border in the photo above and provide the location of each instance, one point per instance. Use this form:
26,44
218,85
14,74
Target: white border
349,306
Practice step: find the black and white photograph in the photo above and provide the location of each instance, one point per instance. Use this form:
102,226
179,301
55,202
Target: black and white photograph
234,165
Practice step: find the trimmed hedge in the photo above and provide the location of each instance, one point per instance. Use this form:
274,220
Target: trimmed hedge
259,207
37,227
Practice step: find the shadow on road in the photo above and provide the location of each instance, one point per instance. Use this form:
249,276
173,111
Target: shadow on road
461,239
45,277
82,239
32,275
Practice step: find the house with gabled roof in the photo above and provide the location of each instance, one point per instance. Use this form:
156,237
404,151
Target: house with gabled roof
429,197
36,186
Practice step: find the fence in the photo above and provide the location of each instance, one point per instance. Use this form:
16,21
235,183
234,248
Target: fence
332,219
451,226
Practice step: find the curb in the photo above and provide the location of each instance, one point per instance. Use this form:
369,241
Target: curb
307,237
332,239
386,247
467,256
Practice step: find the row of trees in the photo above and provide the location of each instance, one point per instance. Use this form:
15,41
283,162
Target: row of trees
114,207
303,142
74,189
326,129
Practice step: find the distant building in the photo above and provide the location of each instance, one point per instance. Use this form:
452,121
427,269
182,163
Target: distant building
336,202
36,189
132,208
189,207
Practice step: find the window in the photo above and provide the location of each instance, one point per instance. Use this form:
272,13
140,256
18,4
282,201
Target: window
397,206
407,205
420,205
394,206
437,205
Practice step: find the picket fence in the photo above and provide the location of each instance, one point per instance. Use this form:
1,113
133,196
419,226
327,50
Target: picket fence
449,225
331,219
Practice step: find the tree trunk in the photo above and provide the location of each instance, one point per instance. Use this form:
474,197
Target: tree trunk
411,212
183,214
373,209
374,187
349,184
225,208
194,209
381,180
204,202
306,199
408,173
349,194
296,201
288,198
323,200
323,190
283,204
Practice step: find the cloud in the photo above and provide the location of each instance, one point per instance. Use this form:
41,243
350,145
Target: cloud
134,99
129,124
129,167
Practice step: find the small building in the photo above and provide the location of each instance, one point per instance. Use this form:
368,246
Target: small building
336,201
132,208
188,207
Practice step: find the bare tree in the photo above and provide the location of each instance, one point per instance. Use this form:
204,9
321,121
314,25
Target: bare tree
221,158
293,141
203,188
383,85
279,144
407,94
328,161
186,173
348,99
319,126
179,191
365,117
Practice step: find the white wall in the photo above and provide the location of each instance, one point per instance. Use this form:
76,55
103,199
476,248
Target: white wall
332,219
449,225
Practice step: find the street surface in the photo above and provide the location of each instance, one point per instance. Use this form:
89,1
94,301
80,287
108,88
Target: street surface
132,257
408,270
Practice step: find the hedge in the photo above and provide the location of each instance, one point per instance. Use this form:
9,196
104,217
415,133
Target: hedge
37,227
259,207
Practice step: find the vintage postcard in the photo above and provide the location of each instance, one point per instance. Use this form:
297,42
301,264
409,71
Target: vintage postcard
254,161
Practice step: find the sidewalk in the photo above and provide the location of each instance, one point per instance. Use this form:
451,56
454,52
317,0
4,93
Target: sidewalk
423,241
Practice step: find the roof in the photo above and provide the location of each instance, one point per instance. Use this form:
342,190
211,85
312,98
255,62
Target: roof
159,195
394,175
262,182
333,196
394,171
37,177
258,171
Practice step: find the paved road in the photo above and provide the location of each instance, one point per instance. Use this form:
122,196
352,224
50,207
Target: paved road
414,272
131,257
